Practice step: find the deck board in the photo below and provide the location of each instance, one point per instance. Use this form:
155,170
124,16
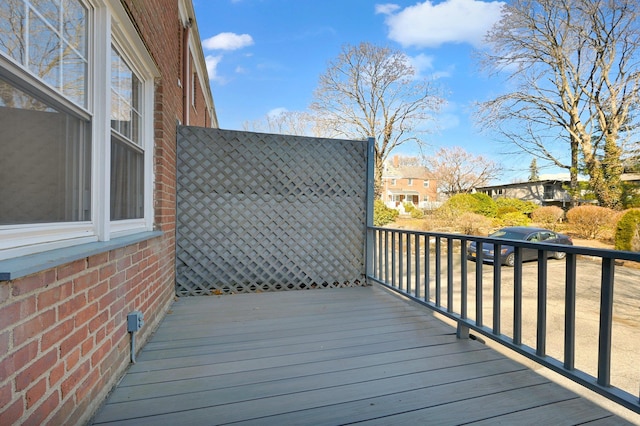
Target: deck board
328,357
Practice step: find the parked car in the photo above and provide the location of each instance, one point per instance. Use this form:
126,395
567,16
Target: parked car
521,233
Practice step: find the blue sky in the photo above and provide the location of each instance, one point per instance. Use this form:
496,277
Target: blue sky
267,55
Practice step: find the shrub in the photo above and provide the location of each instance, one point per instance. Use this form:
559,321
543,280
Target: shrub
459,204
548,216
485,205
382,214
628,231
512,219
515,205
591,221
408,207
473,224
417,213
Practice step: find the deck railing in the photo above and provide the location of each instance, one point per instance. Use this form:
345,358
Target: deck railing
433,270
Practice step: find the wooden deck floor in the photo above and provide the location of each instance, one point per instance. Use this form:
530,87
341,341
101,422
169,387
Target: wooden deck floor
357,355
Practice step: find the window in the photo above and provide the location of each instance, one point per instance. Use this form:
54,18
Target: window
426,184
127,154
58,130
549,192
393,182
409,182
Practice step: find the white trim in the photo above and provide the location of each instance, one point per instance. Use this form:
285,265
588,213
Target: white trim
101,128
28,239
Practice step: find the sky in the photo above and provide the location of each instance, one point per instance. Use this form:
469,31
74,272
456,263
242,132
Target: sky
265,56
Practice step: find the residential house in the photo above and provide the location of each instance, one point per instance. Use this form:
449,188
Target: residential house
546,192
91,94
407,182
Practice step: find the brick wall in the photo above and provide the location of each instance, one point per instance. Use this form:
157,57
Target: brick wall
63,334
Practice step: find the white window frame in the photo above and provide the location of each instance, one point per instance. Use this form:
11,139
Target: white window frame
108,23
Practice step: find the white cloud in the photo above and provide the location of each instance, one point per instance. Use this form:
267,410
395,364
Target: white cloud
212,65
386,9
227,41
421,63
451,21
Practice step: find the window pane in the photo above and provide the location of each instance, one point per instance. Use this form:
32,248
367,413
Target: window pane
11,23
127,181
73,78
125,99
51,43
74,25
45,161
44,51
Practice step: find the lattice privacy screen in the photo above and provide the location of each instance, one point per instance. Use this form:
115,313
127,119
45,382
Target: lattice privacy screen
263,212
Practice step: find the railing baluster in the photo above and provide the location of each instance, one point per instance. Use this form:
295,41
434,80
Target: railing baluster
393,259
497,278
541,334
400,260
386,256
378,269
417,263
570,312
438,272
517,297
606,323
449,275
463,279
409,263
427,268
479,260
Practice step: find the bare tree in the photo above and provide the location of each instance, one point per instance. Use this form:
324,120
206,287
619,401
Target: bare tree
459,171
573,67
372,91
285,122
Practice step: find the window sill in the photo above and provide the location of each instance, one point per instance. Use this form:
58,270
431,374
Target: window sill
11,269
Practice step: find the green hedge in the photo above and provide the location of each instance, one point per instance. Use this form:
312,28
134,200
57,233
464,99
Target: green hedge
382,214
627,230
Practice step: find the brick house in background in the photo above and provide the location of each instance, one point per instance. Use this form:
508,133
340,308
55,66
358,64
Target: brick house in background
91,94
405,181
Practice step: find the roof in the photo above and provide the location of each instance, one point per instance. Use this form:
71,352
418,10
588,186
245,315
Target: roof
407,172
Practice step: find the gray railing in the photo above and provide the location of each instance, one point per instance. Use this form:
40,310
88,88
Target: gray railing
433,270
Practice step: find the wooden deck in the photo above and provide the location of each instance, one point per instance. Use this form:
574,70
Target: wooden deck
356,355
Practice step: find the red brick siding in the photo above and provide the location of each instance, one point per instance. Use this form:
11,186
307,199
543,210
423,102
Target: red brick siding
64,342
63,335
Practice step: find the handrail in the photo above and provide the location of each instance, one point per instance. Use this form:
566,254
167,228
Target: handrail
404,260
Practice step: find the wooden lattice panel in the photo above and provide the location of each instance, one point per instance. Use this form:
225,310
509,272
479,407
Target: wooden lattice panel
263,212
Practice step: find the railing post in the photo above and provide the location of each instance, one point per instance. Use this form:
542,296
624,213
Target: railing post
369,236
462,331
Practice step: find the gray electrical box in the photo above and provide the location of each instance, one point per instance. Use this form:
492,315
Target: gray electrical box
135,321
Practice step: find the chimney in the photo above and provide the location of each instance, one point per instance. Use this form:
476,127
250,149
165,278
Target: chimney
396,161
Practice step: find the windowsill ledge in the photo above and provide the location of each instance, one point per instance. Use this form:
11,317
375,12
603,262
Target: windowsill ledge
11,269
